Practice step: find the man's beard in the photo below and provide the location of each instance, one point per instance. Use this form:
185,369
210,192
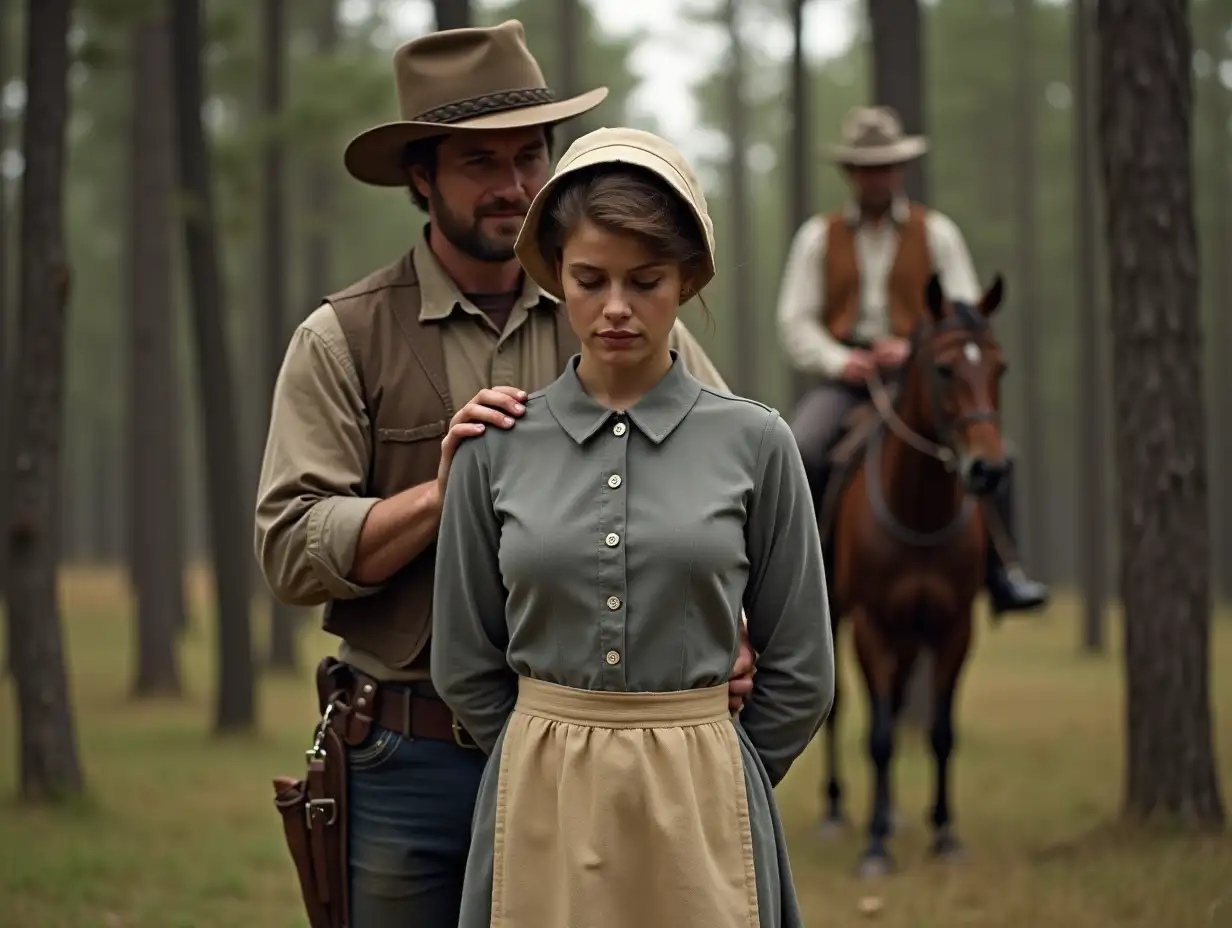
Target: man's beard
468,236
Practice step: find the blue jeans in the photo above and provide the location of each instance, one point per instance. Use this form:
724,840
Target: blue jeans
411,804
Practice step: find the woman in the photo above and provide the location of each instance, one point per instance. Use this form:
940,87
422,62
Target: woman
592,566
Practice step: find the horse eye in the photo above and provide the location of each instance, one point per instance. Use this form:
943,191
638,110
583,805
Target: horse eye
945,371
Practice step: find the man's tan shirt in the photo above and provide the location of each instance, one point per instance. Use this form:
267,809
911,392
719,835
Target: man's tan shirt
311,505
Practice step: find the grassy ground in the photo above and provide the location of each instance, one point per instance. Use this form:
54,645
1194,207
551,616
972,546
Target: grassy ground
180,832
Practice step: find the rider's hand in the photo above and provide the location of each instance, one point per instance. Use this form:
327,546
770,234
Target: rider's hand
858,367
497,406
891,352
741,682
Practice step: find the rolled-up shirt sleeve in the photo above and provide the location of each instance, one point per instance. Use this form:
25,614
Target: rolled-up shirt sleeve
787,607
311,505
805,341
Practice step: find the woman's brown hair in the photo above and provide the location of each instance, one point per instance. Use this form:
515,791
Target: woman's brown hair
626,200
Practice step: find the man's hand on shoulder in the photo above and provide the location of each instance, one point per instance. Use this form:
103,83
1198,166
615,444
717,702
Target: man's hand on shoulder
498,406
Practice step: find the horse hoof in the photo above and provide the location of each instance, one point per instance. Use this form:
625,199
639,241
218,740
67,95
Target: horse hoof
832,826
948,848
874,865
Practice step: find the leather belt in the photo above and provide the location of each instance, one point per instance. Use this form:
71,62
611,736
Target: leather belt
399,709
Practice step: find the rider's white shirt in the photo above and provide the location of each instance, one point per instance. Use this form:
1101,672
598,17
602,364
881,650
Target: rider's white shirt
807,343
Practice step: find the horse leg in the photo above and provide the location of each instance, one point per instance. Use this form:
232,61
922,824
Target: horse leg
950,657
898,696
877,664
832,820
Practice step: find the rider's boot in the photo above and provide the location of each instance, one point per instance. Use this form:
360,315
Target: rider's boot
1010,589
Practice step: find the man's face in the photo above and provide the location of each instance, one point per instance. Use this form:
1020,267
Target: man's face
875,187
483,186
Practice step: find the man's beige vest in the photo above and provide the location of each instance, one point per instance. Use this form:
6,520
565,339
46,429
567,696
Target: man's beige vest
401,367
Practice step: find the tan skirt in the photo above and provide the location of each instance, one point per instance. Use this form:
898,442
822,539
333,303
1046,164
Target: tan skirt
621,810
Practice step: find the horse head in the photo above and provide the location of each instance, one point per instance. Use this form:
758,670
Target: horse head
959,359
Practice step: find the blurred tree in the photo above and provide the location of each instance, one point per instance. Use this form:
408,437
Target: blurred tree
5,302
154,467
1092,520
1216,95
1025,292
235,706
1145,126
740,253
569,39
799,194
452,14
50,768
898,74
283,618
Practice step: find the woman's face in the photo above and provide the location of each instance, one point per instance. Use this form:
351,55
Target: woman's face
622,300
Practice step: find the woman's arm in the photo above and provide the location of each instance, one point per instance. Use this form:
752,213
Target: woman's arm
469,633
788,612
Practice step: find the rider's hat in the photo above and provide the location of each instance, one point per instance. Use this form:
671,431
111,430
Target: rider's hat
616,147
459,80
873,137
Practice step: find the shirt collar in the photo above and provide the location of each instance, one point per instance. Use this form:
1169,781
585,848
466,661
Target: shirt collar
656,414
900,210
440,296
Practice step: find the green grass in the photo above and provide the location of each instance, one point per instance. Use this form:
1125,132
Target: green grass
179,830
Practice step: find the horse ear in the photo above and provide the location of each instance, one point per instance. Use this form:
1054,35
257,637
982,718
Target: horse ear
934,298
992,299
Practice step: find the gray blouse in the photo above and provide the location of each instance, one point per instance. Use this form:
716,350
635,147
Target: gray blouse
614,550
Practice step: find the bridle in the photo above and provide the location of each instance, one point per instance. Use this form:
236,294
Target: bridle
964,319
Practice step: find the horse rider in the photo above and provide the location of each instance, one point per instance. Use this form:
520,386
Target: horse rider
451,334
853,291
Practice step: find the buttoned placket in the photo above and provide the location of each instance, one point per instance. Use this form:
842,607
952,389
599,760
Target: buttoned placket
613,585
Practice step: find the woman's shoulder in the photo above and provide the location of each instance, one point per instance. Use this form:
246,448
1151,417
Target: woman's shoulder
750,417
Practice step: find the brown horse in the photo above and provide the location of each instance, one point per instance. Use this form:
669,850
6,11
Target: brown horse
909,543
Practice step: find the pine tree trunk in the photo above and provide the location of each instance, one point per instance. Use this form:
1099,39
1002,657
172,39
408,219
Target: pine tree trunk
50,768
452,14
745,305
235,706
284,619
1027,304
1146,103
156,544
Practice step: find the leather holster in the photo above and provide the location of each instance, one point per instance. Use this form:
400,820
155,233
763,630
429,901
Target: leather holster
314,808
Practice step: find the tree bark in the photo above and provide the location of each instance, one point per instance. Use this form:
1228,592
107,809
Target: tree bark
1146,103
284,619
50,768
1034,506
236,687
156,529
1219,13
452,14
898,82
1088,387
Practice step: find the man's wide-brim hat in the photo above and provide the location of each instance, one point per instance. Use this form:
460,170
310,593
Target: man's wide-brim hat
615,148
873,137
461,80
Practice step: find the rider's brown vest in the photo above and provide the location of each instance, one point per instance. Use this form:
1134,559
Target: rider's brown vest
401,368
905,288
